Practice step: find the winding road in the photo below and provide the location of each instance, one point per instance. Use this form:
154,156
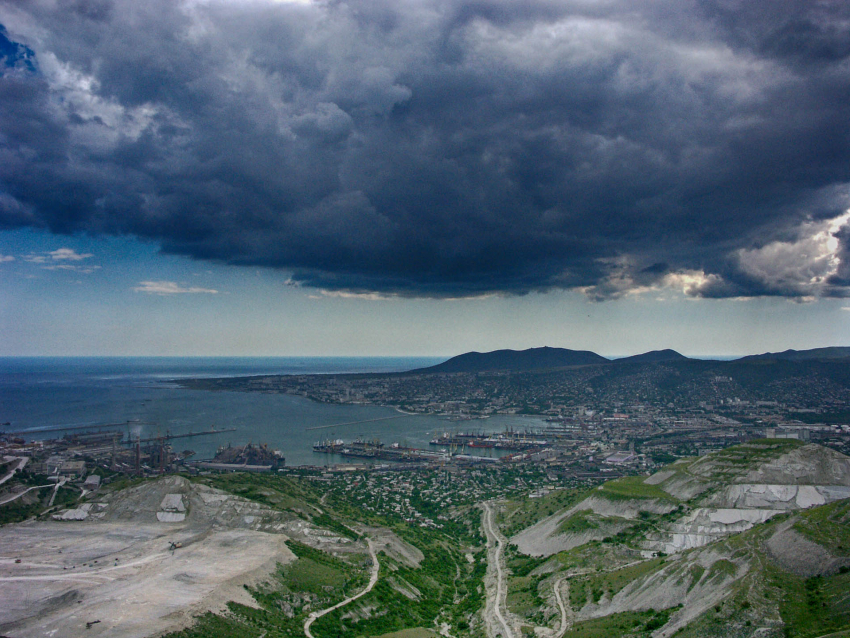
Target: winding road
566,610
22,461
494,555
12,497
495,602
376,566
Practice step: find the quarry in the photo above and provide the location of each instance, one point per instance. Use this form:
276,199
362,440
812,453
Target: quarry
143,561
750,540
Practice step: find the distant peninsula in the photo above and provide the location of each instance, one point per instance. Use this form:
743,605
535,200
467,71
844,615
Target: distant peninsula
517,360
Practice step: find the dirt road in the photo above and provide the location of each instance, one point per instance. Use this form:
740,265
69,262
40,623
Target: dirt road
376,566
22,461
493,617
566,610
12,497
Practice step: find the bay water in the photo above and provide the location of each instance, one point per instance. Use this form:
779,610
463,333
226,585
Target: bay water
42,397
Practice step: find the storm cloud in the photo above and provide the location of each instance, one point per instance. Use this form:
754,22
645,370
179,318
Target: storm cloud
443,148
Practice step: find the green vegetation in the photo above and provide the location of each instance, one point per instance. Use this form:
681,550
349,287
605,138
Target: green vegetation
319,573
721,569
581,521
523,596
837,416
436,512
417,632
521,565
329,522
522,513
695,572
429,588
595,555
828,525
35,502
813,606
314,580
633,487
728,463
630,623
20,509
406,600
275,491
593,587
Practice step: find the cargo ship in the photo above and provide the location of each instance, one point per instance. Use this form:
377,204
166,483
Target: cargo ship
507,440
329,446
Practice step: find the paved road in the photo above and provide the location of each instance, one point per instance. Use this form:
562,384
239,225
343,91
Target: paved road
376,566
498,547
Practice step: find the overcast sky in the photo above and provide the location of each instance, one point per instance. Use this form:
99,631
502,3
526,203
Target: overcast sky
423,176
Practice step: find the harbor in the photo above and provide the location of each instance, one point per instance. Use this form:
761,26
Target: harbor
509,440
375,449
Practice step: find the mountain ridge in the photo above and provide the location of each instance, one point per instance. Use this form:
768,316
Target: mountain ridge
832,352
551,358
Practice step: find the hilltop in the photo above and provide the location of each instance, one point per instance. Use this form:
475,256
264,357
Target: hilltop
517,360
656,356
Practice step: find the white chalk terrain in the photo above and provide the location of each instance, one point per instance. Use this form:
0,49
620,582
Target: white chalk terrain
112,560
719,494
726,561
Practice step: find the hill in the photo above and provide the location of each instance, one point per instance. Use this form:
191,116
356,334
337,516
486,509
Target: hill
554,358
815,354
752,540
722,492
517,360
655,356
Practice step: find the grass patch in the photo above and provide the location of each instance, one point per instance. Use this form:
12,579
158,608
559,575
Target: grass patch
416,632
525,512
594,587
813,606
828,525
577,523
721,569
595,554
630,623
522,596
633,487
521,565
695,572
21,509
330,523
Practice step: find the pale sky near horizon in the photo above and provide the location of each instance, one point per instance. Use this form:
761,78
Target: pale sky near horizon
103,307
423,177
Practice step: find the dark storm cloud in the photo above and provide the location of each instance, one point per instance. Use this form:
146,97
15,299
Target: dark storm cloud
443,148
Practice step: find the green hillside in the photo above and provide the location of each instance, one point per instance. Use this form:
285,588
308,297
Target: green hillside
788,575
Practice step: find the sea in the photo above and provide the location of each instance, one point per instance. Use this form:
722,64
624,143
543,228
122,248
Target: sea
48,397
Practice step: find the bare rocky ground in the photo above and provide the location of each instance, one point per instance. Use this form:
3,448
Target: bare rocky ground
389,543
725,493
113,561
690,511
797,554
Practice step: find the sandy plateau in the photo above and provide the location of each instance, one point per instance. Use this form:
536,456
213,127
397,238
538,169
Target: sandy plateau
118,571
